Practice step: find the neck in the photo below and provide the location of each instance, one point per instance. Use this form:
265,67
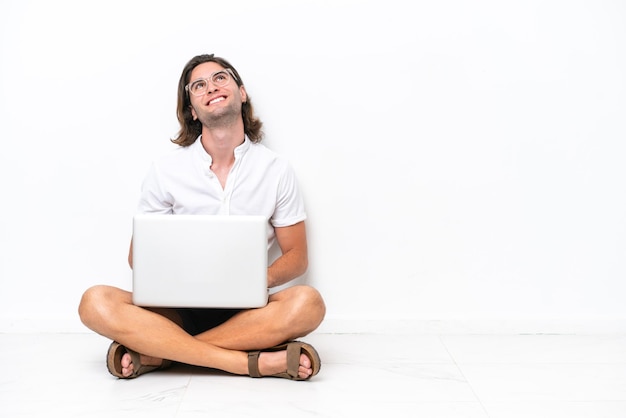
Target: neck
220,143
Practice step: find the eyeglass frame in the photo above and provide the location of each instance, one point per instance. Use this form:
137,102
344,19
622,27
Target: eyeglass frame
210,79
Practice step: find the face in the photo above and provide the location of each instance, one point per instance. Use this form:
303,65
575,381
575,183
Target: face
219,105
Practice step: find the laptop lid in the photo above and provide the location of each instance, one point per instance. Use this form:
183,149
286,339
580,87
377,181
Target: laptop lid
200,261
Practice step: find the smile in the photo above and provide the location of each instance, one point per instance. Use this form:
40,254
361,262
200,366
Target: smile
216,100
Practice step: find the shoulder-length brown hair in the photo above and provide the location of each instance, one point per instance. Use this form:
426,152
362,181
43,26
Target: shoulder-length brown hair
190,129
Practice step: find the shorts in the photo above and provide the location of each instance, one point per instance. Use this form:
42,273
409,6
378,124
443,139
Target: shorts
197,321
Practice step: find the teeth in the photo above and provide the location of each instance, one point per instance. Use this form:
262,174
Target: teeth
219,99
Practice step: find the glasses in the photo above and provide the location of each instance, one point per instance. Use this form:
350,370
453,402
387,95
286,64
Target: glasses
219,78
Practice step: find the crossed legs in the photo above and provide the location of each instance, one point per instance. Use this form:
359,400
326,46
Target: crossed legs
157,334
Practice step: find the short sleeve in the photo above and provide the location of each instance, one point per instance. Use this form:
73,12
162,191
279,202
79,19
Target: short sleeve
289,204
152,198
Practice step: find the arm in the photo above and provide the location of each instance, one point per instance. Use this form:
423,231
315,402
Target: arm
294,259
130,254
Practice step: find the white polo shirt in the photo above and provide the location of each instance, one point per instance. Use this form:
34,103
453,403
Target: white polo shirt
260,182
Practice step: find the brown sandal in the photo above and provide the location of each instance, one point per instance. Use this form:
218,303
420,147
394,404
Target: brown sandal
294,349
114,362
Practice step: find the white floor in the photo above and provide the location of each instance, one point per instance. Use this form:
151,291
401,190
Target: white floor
512,376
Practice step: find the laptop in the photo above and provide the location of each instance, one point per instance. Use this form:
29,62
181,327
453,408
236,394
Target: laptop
200,261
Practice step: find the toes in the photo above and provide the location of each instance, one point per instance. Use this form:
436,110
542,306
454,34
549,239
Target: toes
305,369
304,373
127,365
305,361
126,360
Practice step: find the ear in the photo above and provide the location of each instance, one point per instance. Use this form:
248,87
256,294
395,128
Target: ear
244,95
193,113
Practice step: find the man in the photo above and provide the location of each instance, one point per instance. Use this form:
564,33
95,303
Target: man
220,168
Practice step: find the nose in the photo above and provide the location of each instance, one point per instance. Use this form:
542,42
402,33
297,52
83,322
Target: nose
210,87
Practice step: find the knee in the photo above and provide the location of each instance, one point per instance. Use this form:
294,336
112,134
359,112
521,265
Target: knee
93,305
311,308
315,301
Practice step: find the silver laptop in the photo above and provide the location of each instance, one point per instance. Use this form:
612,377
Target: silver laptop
200,261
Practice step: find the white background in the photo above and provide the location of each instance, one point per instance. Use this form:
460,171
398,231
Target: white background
462,161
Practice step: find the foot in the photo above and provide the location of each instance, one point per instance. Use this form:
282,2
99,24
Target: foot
276,362
128,367
294,360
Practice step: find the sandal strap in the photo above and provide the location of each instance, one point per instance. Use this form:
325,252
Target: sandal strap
253,364
293,358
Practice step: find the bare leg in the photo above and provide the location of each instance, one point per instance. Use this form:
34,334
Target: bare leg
291,313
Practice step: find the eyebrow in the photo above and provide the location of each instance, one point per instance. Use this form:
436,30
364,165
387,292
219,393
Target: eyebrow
223,70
